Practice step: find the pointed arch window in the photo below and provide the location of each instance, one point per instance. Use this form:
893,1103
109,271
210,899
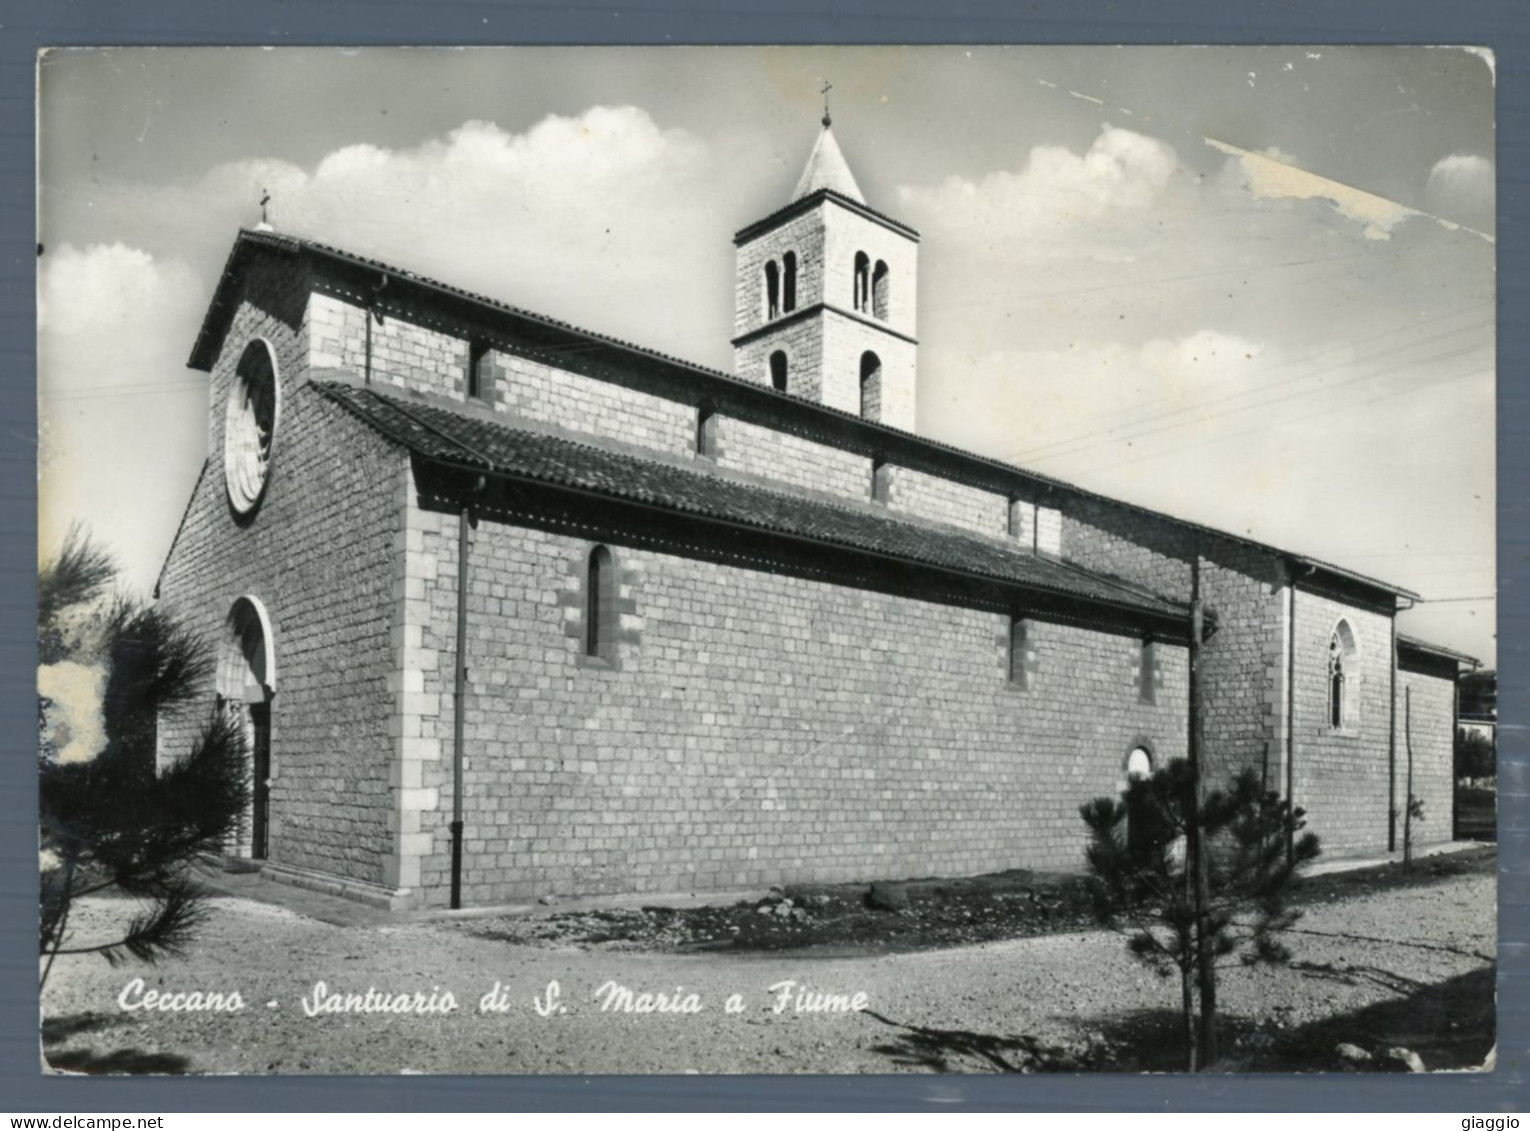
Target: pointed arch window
871,386
789,282
778,371
1343,678
881,287
862,296
772,289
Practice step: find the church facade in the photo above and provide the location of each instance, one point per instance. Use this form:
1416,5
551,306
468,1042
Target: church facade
511,609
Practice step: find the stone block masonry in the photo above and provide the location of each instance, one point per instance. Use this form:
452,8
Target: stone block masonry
761,728
318,554
1426,716
1342,775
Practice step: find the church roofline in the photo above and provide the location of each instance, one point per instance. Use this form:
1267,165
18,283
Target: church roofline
1407,643
894,443
813,200
454,438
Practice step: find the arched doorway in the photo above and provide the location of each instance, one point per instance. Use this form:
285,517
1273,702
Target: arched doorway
246,684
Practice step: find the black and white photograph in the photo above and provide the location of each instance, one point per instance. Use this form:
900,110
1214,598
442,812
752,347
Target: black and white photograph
770,560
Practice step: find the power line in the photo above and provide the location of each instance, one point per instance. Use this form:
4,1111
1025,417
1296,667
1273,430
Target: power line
1297,419
1106,436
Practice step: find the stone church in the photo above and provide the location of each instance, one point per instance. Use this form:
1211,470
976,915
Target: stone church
512,609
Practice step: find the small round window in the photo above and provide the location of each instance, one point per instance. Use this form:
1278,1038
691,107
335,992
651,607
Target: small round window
250,426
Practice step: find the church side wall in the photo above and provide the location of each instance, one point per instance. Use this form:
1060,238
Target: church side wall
764,452
1243,660
945,500
1426,710
317,556
760,728
1342,777
536,391
404,355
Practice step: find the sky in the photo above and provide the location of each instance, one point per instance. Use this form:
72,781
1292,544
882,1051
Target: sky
1249,286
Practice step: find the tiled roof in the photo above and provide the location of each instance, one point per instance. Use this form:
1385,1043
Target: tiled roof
455,438
225,298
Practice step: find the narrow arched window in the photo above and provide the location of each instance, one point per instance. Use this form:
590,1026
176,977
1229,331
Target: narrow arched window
1019,652
1142,826
789,282
480,374
881,480
706,430
871,386
599,604
862,294
1147,673
772,289
881,283
1343,677
778,371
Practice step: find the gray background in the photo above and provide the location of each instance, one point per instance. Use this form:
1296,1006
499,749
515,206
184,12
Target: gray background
26,26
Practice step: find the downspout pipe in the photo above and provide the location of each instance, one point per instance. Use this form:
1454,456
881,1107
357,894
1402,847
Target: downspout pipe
1299,570
466,519
371,312
1392,735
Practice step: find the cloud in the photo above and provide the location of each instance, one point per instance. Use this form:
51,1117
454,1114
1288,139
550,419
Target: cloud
1063,407
105,288
1461,188
1052,196
533,217
117,405
603,218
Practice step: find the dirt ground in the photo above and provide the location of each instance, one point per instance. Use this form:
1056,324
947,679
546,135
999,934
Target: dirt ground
1380,961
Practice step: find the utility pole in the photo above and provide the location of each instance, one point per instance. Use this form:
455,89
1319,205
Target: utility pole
1199,850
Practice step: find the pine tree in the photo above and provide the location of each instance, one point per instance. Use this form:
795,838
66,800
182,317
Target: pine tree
1140,878
109,818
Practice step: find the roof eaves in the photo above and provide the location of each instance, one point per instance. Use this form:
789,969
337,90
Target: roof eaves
1119,596
1415,644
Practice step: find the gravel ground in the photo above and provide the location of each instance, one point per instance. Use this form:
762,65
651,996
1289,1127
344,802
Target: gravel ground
1409,966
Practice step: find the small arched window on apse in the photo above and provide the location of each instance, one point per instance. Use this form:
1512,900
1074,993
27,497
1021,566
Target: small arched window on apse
1343,678
778,371
1140,826
772,289
600,613
706,430
871,386
862,295
789,282
881,283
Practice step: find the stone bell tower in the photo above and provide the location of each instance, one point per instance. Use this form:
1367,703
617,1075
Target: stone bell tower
825,296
